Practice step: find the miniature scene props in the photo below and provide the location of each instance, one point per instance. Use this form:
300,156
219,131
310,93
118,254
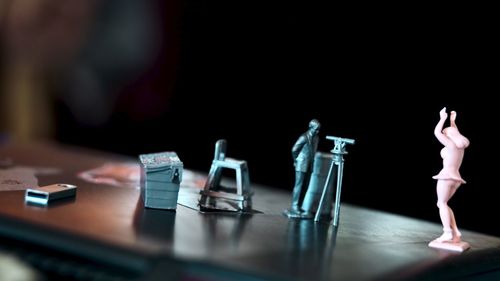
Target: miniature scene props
321,169
319,181
338,152
215,196
161,175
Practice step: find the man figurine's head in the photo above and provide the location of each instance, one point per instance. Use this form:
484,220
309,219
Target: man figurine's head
314,126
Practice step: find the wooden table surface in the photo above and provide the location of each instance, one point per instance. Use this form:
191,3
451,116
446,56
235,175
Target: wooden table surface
109,224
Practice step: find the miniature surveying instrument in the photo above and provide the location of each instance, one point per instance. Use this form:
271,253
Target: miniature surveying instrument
338,152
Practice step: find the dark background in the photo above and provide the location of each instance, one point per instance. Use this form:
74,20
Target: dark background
256,72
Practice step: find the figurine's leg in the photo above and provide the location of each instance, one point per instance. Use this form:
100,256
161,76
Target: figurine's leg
305,207
456,233
446,236
444,190
305,186
297,190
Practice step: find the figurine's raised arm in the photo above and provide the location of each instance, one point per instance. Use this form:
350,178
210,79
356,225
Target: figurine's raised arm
438,131
453,117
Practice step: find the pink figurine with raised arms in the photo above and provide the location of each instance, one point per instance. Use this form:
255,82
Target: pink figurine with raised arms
448,181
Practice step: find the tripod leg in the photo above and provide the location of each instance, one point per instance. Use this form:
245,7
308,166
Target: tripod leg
340,172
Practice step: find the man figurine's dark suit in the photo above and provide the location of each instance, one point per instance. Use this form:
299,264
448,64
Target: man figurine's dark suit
303,154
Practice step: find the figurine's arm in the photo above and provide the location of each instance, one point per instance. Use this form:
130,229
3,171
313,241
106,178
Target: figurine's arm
438,131
453,117
297,147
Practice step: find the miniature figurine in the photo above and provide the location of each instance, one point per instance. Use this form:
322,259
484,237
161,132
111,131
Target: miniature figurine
303,154
448,180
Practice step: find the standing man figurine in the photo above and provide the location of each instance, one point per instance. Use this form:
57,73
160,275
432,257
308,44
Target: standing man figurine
303,154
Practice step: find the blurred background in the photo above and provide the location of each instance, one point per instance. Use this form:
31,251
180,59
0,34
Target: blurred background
135,77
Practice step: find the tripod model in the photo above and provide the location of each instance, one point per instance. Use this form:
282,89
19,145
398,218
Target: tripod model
338,152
